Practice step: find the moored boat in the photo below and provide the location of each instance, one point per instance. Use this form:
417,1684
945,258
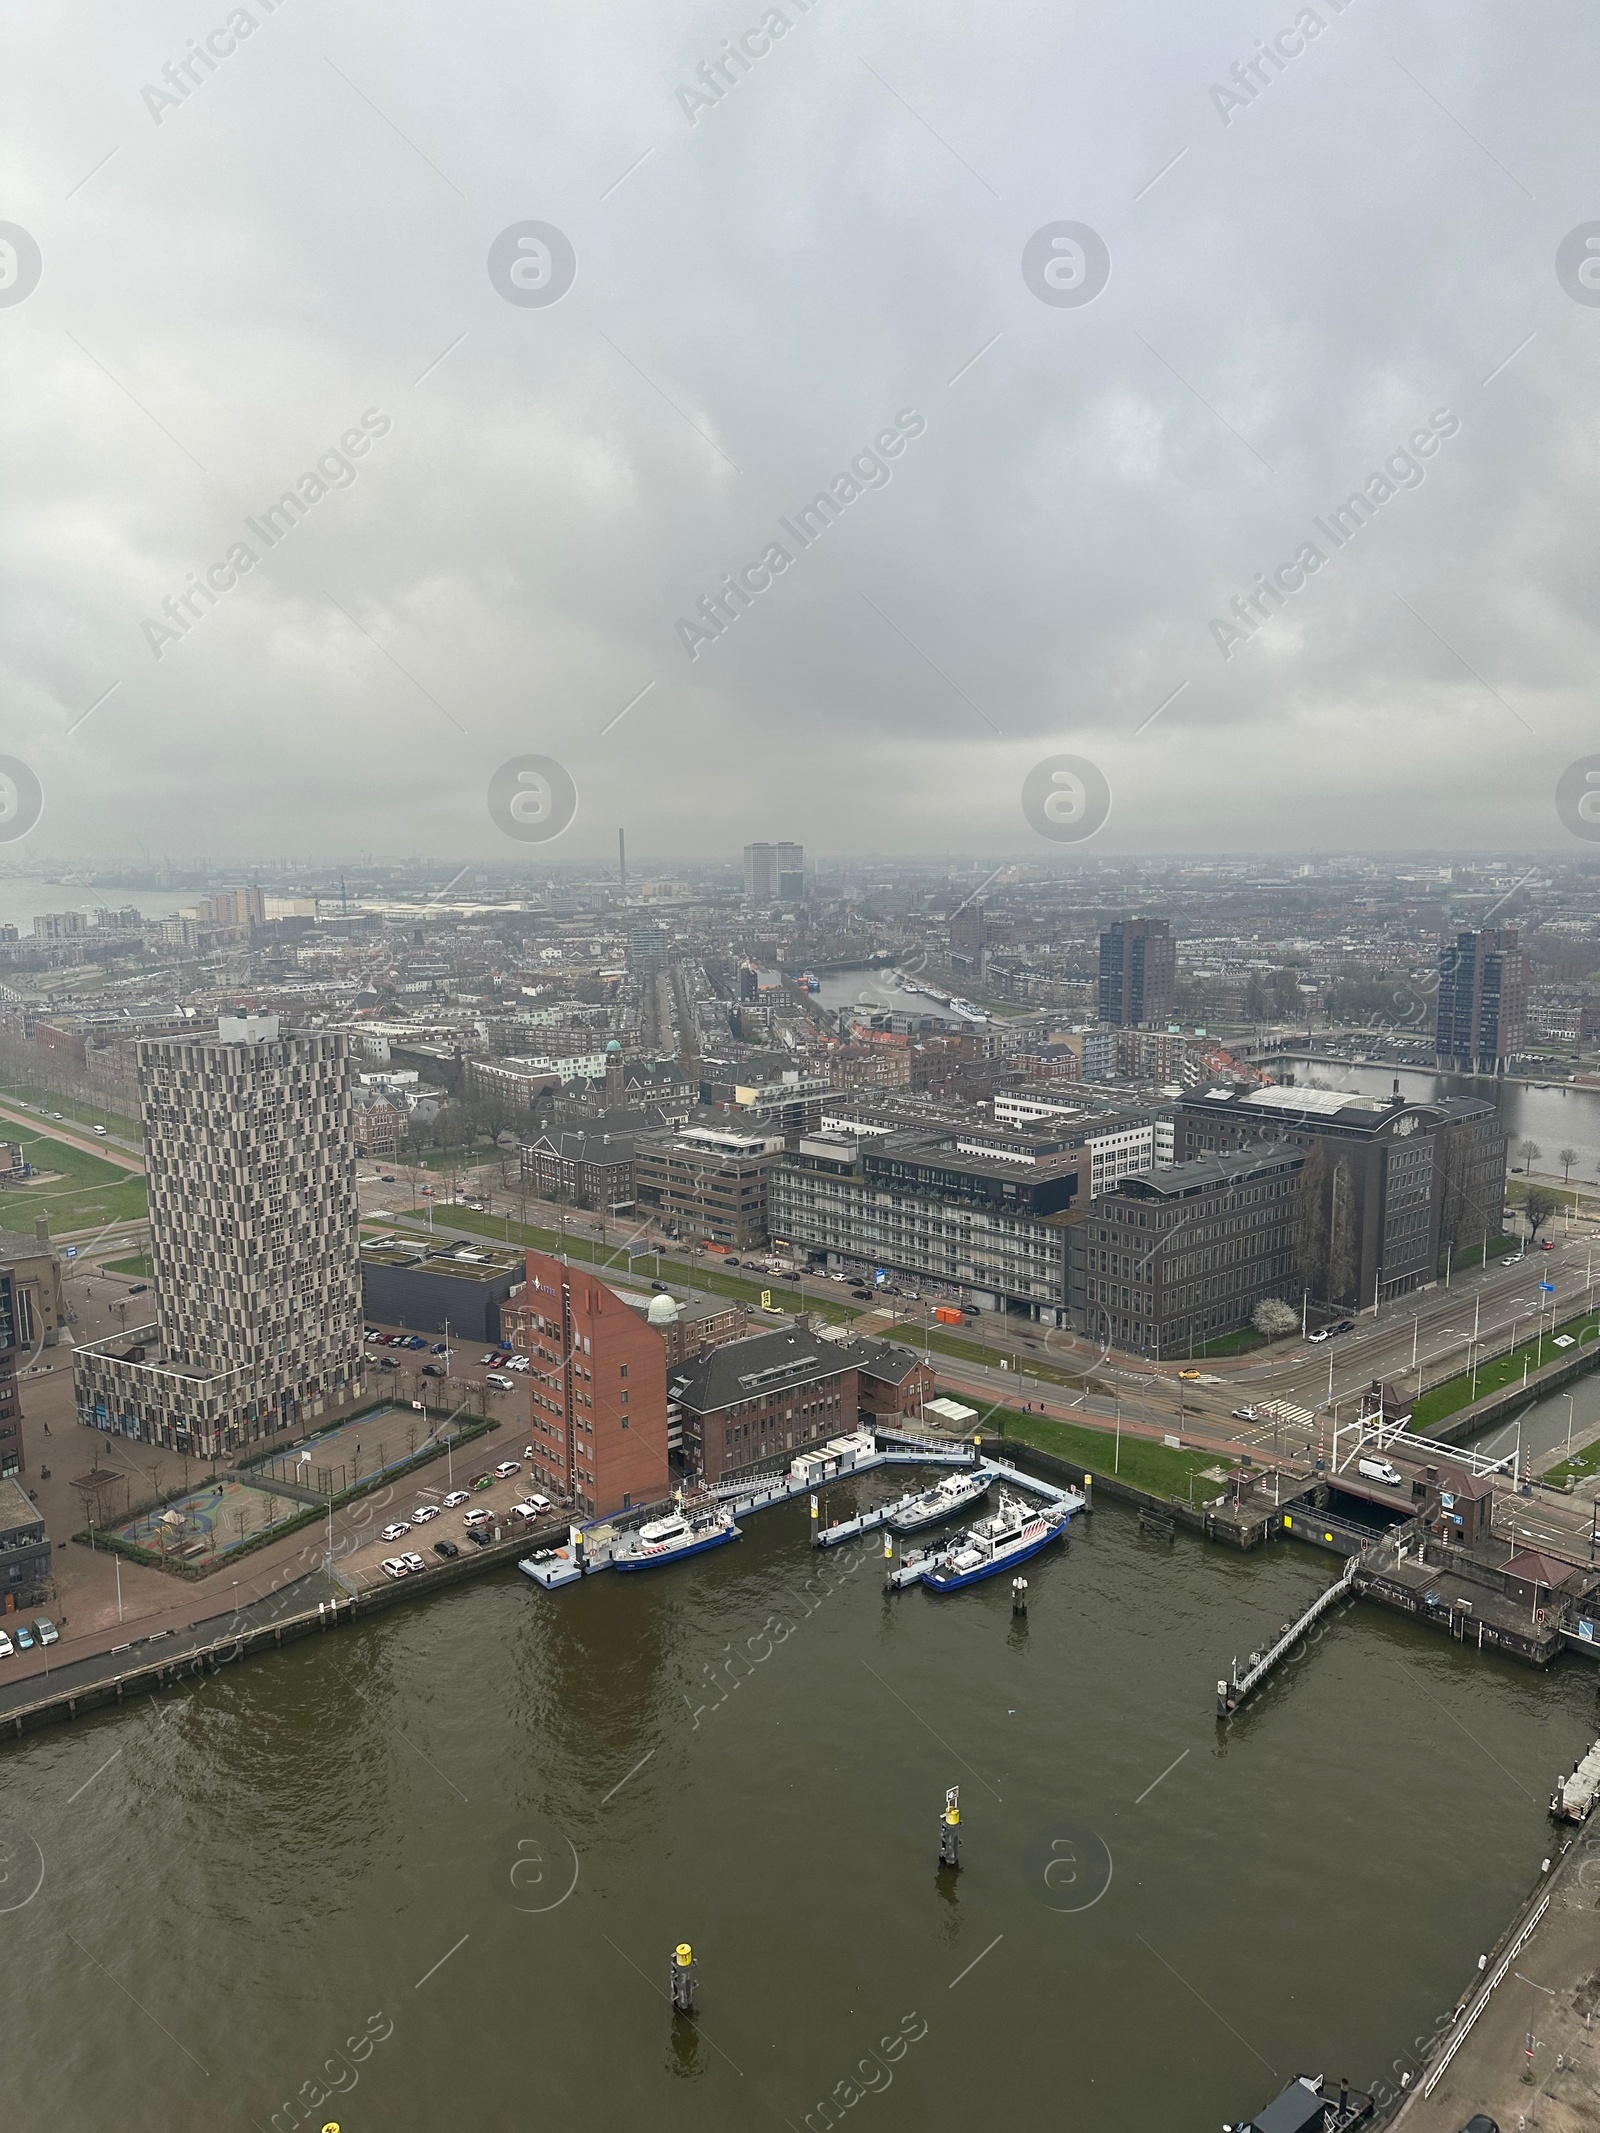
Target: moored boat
943,1500
1008,1536
672,1539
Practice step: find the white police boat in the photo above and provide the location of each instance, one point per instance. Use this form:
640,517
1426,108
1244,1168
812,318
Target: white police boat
943,1500
671,1539
1007,1537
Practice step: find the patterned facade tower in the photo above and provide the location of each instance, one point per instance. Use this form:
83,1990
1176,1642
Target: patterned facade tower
253,1243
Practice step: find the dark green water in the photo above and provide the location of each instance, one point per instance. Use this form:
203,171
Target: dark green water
287,1855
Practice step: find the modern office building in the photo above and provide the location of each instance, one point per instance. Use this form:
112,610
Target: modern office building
972,1214
1483,1001
13,1450
775,873
707,1182
24,1550
34,1265
1389,1186
1138,973
253,1220
597,1390
1178,1257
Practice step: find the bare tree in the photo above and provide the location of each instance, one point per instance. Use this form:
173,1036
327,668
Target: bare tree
1566,1157
1530,1152
1539,1204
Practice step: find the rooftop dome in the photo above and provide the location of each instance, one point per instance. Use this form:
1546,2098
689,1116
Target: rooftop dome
612,1045
663,1311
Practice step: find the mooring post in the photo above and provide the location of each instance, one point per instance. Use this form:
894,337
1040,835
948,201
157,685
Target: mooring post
683,1968
1019,1596
950,1829
888,1560
816,1513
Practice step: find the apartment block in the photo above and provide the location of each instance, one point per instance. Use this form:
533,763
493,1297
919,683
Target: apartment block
251,1173
1483,1001
1138,972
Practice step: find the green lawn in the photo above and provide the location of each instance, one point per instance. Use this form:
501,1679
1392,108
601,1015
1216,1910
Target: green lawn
1578,1467
1500,1371
137,1268
76,1108
88,1193
1143,1465
1239,1342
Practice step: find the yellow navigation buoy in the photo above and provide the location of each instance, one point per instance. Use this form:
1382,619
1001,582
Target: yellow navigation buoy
685,1955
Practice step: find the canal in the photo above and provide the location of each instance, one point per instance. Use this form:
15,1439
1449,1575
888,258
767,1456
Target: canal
1556,1115
450,1850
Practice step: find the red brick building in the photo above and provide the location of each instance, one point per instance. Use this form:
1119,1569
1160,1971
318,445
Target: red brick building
597,1390
754,1403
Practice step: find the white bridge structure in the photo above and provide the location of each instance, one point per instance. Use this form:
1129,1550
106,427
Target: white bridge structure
1372,1433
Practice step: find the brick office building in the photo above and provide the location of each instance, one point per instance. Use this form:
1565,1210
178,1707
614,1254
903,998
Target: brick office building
755,1403
597,1417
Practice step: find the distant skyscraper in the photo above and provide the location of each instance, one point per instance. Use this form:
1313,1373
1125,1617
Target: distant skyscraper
1138,972
968,941
775,873
1483,1001
251,1173
647,945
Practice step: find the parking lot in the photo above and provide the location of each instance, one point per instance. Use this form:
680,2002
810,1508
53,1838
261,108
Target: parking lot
446,1494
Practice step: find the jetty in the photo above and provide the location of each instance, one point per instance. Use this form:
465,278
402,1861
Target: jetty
1239,1686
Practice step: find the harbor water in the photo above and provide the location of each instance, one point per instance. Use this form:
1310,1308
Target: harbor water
427,1873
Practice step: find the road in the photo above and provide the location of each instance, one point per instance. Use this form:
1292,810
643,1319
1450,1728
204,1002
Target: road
80,1137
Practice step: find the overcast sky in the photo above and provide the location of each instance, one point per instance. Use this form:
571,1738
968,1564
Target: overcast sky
1356,248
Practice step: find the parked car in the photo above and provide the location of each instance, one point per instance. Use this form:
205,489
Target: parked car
527,1451
24,1637
423,1513
387,1179
433,1370
413,1562
439,1348
480,1517
499,1380
387,1362
447,1549
393,1567
455,1496
518,1362
138,1288
45,1630
394,1531
484,1361
480,1536
7,1648
508,1467
1345,1325
1323,1333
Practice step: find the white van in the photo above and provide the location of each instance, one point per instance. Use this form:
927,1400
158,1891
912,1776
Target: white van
500,1382
1379,1470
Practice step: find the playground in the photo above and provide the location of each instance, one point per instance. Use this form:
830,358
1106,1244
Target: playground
208,1521
356,1452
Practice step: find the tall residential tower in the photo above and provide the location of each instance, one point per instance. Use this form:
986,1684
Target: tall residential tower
253,1222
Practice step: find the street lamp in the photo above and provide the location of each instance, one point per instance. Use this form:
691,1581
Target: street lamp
1568,1398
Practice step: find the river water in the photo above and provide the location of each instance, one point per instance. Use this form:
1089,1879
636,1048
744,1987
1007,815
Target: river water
1556,1116
540,1795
